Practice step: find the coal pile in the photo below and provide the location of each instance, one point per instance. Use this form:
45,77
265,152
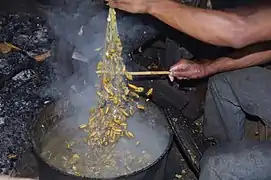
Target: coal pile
25,84
30,33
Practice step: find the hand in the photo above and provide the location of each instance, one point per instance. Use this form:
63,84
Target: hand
132,6
187,69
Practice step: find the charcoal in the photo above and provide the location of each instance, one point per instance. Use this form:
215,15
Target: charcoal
14,141
12,63
21,99
30,33
25,84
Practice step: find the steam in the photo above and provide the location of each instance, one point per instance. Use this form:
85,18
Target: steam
148,127
74,22
78,21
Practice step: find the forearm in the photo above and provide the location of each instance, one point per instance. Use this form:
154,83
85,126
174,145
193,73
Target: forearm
210,26
229,64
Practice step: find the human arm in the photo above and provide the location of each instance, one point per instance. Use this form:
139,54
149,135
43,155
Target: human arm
246,57
228,64
220,28
216,27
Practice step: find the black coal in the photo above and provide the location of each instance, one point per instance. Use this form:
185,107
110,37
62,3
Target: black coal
30,33
24,83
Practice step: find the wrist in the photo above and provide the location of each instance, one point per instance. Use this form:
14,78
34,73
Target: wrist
209,68
156,6
217,66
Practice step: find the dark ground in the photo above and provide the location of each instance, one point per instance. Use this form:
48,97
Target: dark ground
22,96
24,90
23,83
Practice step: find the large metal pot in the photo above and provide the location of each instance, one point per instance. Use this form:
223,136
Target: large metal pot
55,113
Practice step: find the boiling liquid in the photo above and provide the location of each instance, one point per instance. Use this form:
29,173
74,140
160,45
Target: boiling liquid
128,155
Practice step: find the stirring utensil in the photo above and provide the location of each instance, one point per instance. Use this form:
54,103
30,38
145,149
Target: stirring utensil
143,73
149,73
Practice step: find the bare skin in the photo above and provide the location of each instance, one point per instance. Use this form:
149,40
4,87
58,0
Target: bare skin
235,28
186,69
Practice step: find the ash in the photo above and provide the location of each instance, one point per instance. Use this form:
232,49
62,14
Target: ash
25,84
28,32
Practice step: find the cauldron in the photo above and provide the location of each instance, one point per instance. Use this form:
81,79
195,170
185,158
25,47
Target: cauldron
56,112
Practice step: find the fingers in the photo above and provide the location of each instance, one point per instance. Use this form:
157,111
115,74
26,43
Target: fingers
181,65
118,1
179,70
180,74
171,78
182,78
119,4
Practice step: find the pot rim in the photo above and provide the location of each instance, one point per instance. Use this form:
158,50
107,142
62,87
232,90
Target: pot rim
168,147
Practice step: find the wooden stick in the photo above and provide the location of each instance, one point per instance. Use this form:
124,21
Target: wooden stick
149,73
143,73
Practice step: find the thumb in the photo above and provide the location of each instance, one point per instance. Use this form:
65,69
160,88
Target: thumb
180,65
174,67
171,77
